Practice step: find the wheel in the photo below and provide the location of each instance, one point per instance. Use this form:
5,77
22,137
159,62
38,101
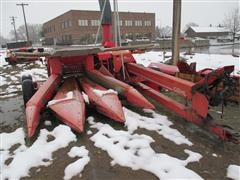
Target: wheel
40,50
27,89
26,76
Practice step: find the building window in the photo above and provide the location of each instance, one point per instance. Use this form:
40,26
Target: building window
95,22
128,22
120,23
82,22
65,24
138,23
147,23
69,23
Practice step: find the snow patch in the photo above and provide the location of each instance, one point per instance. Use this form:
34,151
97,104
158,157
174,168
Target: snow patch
90,120
89,132
134,151
47,123
69,96
157,123
101,93
38,74
2,58
3,80
39,154
214,155
233,172
76,167
85,97
13,78
148,57
213,61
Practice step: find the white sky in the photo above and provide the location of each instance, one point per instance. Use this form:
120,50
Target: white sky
202,12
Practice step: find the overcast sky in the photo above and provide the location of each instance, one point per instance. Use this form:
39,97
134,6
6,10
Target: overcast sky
202,12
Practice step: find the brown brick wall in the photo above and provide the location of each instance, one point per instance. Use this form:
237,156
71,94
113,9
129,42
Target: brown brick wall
81,33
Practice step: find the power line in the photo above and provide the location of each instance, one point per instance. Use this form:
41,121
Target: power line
13,23
24,4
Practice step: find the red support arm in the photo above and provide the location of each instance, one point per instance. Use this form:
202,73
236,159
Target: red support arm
191,115
174,84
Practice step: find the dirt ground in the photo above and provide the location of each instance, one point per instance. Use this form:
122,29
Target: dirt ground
209,167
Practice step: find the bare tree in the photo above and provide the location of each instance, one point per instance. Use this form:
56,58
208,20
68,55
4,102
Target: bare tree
3,40
34,31
157,31
232,22
165,31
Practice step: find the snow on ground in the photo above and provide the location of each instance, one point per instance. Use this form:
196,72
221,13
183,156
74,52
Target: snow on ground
85,97
152,56
157,123
47,123
134,151
10,76
2,58
2,80
126,148
203,60
214,61
23,158
233,172
89,132
37,73
77,167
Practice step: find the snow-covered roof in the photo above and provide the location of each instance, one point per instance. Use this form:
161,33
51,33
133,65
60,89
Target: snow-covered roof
209,29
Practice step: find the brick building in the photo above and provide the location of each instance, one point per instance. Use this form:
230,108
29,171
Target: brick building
80,26
206,32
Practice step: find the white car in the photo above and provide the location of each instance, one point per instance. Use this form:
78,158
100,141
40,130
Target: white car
142,39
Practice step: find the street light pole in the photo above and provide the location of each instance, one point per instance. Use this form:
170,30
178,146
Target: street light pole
24,4
13,23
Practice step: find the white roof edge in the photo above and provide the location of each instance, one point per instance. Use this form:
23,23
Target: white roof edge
209,29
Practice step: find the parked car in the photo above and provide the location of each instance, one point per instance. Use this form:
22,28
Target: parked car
142,39
224,39
126,42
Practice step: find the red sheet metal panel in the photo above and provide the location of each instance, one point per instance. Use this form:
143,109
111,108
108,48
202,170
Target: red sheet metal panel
125,90
68,104
168,69
37,102
106,102
200,104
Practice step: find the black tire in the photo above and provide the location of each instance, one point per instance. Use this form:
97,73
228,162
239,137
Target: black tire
27,76
27,89
40,49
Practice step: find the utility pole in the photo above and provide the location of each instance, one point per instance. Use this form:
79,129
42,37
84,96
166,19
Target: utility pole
176,30
13,23
24,4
